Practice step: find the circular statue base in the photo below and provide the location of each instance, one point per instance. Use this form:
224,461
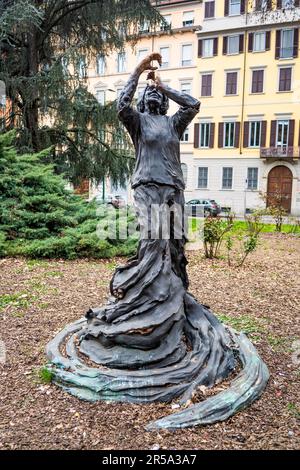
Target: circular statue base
159,359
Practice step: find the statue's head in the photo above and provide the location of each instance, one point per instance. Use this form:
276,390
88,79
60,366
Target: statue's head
153,98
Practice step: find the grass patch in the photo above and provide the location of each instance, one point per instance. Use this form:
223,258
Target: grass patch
294,410
18,300
242,323
278,343
111,266
34,263
45,375
241,226
53,274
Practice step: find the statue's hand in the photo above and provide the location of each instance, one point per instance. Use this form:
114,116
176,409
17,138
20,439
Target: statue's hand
146,62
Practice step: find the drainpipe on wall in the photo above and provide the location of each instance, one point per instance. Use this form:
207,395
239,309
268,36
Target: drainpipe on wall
244,82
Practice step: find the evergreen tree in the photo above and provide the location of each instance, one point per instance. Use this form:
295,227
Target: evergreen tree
45,48
39,217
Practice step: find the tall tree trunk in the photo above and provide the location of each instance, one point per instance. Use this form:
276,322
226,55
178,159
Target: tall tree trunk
31,105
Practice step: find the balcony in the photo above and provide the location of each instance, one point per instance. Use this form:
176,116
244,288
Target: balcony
286,52
269,17
280,153
159,3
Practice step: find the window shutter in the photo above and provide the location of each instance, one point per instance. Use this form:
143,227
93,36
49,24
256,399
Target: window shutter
268,40
221,135
296,42
279,4
212,135
196,135
237,134
257,81
209,9
226,8
291,132
241,44
277,46
225,39
242,7
215,51
273,133
263,133
200,48
246,134
250,42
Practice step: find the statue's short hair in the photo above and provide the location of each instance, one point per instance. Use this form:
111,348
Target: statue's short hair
163,109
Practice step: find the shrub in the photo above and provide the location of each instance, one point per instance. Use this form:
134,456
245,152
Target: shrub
40,218
214,232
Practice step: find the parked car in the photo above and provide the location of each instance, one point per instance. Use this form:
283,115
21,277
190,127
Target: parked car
203,206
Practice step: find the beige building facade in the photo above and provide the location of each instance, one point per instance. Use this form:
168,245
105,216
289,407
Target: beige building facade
241,60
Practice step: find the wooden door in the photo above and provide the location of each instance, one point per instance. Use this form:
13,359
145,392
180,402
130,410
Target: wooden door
280,184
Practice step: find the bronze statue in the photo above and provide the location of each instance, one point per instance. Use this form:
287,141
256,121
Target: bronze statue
153,341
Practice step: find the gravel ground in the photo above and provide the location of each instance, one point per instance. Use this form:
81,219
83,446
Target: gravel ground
37,299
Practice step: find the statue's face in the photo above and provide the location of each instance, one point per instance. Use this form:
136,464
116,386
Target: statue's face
153,96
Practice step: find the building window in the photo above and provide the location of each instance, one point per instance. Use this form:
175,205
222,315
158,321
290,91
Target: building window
227,178
287,41
82,68
165,55
234,7
167,26
229,134
254,134
100,65
259,42
209,11
186,55
262,5
204,135
208,48
233,44
282,134
288,4
252,178
202,177
186,87
100,95
184,170
231,83
285,79
145,28
185,135
121,61
141,54
257,81
206,84
188,18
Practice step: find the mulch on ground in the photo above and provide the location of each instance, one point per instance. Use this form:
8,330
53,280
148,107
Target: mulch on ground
37,299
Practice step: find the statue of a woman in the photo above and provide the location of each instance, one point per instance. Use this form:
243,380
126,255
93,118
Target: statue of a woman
153,341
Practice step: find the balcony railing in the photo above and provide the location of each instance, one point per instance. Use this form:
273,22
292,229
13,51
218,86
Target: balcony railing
280,152
286,52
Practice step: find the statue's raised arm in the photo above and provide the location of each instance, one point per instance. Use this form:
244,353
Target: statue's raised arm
129,90
189,106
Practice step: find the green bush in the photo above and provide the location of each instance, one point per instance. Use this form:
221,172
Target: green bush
40,218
